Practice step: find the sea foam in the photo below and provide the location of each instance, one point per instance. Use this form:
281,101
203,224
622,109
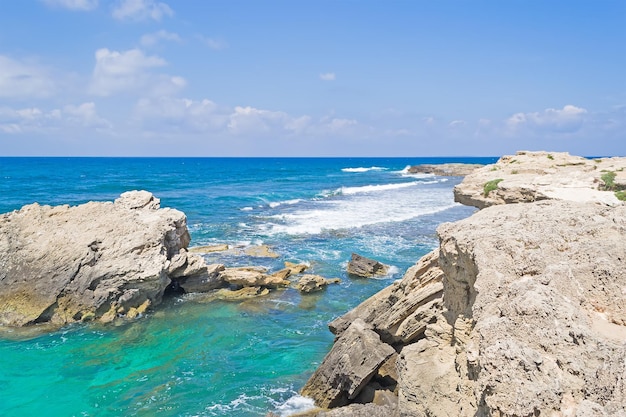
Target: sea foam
294,405
359,208
362,169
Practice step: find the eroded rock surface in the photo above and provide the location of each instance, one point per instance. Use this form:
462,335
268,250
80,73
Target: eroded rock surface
93,261
532,176
352,362
520,312
312,283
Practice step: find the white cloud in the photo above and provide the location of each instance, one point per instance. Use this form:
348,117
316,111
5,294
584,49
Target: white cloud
83,5
327,76
127,71
213,43
457,123
23,80
181,114
151,39
141,10
249,119
31,119
568,119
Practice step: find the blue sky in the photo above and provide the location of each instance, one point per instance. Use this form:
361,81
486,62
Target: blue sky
312,78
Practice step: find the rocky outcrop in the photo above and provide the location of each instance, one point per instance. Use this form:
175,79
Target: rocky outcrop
532,176
363,267
520,312
444,170
350,365
98,260
312,283
252,277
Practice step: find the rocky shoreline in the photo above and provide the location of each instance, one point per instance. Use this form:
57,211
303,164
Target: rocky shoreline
521,311
106,261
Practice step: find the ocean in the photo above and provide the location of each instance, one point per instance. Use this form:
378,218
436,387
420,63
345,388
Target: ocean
196,356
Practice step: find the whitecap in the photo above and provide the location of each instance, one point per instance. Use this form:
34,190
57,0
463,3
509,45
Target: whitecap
363,169
287,202
375,188
359,211
247,208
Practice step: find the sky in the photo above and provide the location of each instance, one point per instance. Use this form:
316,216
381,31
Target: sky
312,77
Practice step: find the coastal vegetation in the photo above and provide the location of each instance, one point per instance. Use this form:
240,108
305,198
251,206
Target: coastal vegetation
490,186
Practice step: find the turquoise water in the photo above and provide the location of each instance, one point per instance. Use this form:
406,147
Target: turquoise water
193,355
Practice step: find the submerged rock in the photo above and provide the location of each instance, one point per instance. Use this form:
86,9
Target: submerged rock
361,266
94,261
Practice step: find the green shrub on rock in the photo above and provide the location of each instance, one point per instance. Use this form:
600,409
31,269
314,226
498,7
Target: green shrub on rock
490,186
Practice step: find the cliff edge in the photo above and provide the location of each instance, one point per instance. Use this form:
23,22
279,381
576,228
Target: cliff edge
521,311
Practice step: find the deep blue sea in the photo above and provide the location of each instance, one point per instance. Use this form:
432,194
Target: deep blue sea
193,356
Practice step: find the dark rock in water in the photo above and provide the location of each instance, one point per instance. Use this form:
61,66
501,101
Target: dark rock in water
352,362
361,266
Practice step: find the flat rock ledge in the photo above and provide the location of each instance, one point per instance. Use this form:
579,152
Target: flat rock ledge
533,176
95,261
445,170
521,311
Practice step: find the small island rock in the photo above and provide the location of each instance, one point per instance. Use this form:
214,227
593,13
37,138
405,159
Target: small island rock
361,266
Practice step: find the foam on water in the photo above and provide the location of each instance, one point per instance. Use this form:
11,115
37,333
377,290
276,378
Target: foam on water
288,202
362,169
375,188
294,405
358,210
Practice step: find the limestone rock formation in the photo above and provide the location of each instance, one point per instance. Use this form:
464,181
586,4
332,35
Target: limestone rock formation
352,362
361,266
252,277
312,283
93,261
520,312
533,176
445,170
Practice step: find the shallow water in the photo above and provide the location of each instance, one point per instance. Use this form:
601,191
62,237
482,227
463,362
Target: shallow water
197,356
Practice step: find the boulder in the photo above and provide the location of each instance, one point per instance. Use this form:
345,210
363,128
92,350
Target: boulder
97,260
361,266
312,283
352,362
